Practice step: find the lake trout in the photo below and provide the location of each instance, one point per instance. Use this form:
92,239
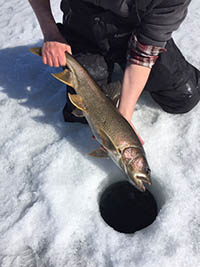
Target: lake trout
117,138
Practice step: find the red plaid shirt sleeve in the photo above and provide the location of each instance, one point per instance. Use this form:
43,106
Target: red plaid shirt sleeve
143,55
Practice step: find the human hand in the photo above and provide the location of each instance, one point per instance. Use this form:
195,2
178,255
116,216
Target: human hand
141,140
53,53
128,117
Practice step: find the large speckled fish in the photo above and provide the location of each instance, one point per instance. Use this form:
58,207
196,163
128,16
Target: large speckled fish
118,139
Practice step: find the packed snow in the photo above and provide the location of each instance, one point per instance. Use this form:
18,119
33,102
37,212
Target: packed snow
50,187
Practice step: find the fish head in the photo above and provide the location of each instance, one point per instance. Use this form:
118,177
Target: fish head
135,165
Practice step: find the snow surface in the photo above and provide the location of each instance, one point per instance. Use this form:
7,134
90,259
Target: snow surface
50,187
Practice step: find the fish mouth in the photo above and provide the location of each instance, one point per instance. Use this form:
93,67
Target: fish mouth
137,173
138,181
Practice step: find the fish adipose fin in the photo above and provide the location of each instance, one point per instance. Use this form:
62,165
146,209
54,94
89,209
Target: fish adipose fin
99,153
77,101
65,77
107,141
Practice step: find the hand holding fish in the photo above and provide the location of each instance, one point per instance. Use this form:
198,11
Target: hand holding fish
141,140
53,53
55,46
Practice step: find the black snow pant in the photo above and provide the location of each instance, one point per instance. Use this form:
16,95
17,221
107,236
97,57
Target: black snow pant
173,82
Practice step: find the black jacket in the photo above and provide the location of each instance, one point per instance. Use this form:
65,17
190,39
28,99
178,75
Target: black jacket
153,21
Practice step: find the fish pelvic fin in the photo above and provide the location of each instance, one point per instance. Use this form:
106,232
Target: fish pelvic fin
107,140
99,153
77,101
66,77
36,51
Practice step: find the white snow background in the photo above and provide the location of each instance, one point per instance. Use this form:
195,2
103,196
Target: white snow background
50,187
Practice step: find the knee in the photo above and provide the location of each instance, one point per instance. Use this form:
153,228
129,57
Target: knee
95,64
179,100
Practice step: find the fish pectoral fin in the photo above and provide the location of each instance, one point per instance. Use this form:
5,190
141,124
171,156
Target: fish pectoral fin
107,140
99,153
77,101
65,77
36,51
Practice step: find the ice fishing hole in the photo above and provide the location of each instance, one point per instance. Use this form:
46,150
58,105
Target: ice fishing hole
126,209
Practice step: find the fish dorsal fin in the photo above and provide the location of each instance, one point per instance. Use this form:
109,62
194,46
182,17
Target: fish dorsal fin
77,101
36,51
65,77
99,153
107,140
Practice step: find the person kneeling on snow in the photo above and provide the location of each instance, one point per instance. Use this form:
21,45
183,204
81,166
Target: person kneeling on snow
136,34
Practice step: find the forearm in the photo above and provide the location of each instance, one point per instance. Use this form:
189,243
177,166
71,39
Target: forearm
55,46
135,78
42,10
